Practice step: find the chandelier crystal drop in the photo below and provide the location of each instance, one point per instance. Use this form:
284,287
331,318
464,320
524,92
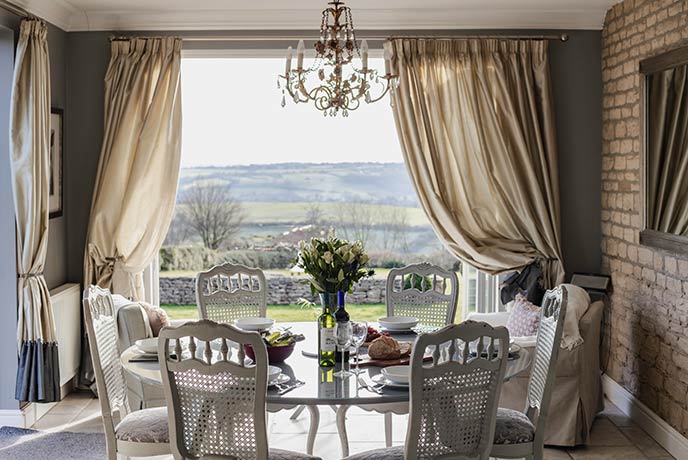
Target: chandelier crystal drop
340,84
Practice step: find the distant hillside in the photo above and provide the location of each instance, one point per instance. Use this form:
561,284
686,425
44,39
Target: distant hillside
379,183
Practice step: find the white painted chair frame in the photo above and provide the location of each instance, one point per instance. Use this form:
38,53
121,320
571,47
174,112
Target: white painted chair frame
542,376
411,301
101,326
476,378
229,292
218,374
431,304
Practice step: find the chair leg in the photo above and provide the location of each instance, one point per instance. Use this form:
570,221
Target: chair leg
313,428
341,429
388,429
297,412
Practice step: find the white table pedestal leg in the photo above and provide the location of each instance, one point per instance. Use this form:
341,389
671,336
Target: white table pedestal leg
341,429
313,429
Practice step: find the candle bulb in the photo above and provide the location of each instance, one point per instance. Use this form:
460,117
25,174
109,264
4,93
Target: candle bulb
290,53
388,58
364,54
300,51
388,61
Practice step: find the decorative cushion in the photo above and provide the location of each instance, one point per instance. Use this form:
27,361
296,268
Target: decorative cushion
279,454
157,317
513,427
524,318
388,453
145,426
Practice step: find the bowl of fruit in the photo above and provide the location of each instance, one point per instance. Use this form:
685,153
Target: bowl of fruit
279,344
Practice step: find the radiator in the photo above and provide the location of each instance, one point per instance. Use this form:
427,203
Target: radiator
66,300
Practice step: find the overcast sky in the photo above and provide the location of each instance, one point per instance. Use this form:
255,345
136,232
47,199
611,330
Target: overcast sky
232,115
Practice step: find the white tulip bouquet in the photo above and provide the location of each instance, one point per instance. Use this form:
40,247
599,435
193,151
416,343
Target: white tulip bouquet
333,264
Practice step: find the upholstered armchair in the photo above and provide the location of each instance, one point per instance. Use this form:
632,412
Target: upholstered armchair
577,396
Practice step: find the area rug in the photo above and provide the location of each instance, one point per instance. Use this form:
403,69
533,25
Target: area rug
25,444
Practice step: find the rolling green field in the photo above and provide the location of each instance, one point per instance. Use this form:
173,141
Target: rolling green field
275,212
288,313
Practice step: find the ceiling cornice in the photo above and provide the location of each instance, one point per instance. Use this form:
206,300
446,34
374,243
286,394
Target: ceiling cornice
67,17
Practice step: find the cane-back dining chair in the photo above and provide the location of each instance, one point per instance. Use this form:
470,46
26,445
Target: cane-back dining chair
138,434
423,291
215,397
229,292
522,434
453,398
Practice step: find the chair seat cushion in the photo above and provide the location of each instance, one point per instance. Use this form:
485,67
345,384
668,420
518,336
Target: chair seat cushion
145,426
513,427
279,454
388,453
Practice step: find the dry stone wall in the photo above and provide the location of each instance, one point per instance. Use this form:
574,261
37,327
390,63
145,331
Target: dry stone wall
282,290
648,321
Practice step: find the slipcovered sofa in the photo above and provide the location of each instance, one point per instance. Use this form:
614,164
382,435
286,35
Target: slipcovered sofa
133,325
577,396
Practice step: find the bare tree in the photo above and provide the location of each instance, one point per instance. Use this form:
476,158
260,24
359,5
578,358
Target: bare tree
314,214
394,227
179,230
355,221
213,213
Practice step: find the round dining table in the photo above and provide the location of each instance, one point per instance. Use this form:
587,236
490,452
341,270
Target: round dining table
320,386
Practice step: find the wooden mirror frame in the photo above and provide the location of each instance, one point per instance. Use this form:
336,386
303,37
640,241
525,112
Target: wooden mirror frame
649,237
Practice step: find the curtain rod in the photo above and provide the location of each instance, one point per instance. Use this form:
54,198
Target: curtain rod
363,36
14,9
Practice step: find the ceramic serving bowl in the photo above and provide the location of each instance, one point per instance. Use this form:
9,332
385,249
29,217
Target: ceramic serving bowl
397,374
254,324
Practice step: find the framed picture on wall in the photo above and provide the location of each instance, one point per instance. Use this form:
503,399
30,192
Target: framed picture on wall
55,184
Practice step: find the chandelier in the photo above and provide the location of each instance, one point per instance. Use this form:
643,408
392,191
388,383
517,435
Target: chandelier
341,85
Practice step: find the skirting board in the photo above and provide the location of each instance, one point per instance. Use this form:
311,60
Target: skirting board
31,412
665,435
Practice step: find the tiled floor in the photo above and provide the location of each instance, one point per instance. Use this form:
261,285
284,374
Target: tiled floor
614,436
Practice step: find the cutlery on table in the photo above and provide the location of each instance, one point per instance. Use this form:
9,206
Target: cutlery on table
283,388
374,388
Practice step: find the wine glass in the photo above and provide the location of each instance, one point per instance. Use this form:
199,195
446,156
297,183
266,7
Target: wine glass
359,332
342,335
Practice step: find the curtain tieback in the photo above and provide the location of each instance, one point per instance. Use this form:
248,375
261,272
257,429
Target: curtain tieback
30,275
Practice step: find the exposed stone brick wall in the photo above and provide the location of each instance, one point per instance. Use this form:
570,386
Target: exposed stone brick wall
649,307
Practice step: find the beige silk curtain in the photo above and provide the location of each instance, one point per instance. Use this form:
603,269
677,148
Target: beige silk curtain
136,185
38,372
667,160
476,123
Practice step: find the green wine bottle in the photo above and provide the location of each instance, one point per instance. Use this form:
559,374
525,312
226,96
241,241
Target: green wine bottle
327,346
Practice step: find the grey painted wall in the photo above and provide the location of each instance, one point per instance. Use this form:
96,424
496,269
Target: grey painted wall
576,76
8,279
56,266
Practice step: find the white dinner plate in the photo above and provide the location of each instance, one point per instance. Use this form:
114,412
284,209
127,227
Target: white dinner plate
273,373
148,346
254,324
280,380
398,323
380,379
397,374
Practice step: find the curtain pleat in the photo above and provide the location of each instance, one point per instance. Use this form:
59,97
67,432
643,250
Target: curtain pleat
38,372
136,185
475,119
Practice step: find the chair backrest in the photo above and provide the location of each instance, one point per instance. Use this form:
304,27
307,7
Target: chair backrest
101,326
228,292
544,367
215,401
454,398
424,291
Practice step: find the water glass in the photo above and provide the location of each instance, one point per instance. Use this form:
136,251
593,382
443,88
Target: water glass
359,332
343,336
